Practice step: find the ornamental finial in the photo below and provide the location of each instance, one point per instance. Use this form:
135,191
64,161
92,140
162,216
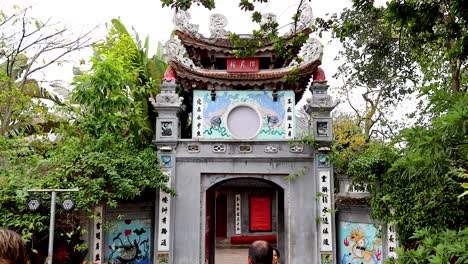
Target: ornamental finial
169,74
319,75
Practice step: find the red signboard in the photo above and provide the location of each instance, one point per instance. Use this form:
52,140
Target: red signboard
260,214
242,65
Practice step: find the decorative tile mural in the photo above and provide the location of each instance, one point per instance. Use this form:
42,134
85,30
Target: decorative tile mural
129,241
276,118
165,161
359,243
163,258
323,161
326,258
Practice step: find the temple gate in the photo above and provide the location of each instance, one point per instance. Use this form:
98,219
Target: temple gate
225,135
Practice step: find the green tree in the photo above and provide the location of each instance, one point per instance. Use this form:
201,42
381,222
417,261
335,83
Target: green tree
29,46
423,186
375,65
437,33
349,142
106,151
114,94
448,246
114,115
17,165
420,185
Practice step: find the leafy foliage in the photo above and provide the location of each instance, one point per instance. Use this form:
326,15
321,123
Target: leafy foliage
114,94
373,56
210,4
186,4
113,153
29,46
419,186
105,152
436,32
416,187
372,164
106,169
17,163
426,176
349,142
377,68
448,246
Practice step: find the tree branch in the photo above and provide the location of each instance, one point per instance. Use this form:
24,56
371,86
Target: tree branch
350,104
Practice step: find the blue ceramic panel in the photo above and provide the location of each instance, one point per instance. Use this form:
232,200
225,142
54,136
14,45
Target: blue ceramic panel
129,241
211,117
359,243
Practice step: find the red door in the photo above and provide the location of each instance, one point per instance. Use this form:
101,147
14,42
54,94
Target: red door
260,214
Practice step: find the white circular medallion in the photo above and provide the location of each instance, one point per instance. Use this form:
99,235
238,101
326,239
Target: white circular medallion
243,122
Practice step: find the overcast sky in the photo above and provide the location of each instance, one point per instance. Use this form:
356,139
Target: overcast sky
148,18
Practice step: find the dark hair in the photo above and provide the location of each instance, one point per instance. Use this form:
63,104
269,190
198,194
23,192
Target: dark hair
277,252
261,252
13,248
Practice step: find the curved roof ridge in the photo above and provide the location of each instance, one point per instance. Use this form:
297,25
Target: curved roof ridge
186,29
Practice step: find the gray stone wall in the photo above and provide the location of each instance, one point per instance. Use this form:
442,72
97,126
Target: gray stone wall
195,172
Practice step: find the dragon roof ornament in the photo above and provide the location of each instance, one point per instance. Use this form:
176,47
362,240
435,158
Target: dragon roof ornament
182,23
217,24
311,50
175,51
305,20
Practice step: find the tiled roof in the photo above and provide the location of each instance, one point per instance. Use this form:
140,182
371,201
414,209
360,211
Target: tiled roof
352,200
223,44
223,77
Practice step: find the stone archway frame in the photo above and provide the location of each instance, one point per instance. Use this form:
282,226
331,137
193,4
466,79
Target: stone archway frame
213,180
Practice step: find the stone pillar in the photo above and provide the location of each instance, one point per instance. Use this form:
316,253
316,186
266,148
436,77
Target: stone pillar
319,108
97,249
167,104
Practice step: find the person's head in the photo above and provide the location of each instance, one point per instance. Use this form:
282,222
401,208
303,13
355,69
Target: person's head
13,248
260,252
276,255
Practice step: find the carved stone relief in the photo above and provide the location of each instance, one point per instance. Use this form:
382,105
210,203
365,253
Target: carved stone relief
311,50
175,51
322,128
182,23
304,21
217,24
166,128
168,98
324,101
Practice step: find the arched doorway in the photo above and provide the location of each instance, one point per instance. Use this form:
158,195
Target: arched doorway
239,211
